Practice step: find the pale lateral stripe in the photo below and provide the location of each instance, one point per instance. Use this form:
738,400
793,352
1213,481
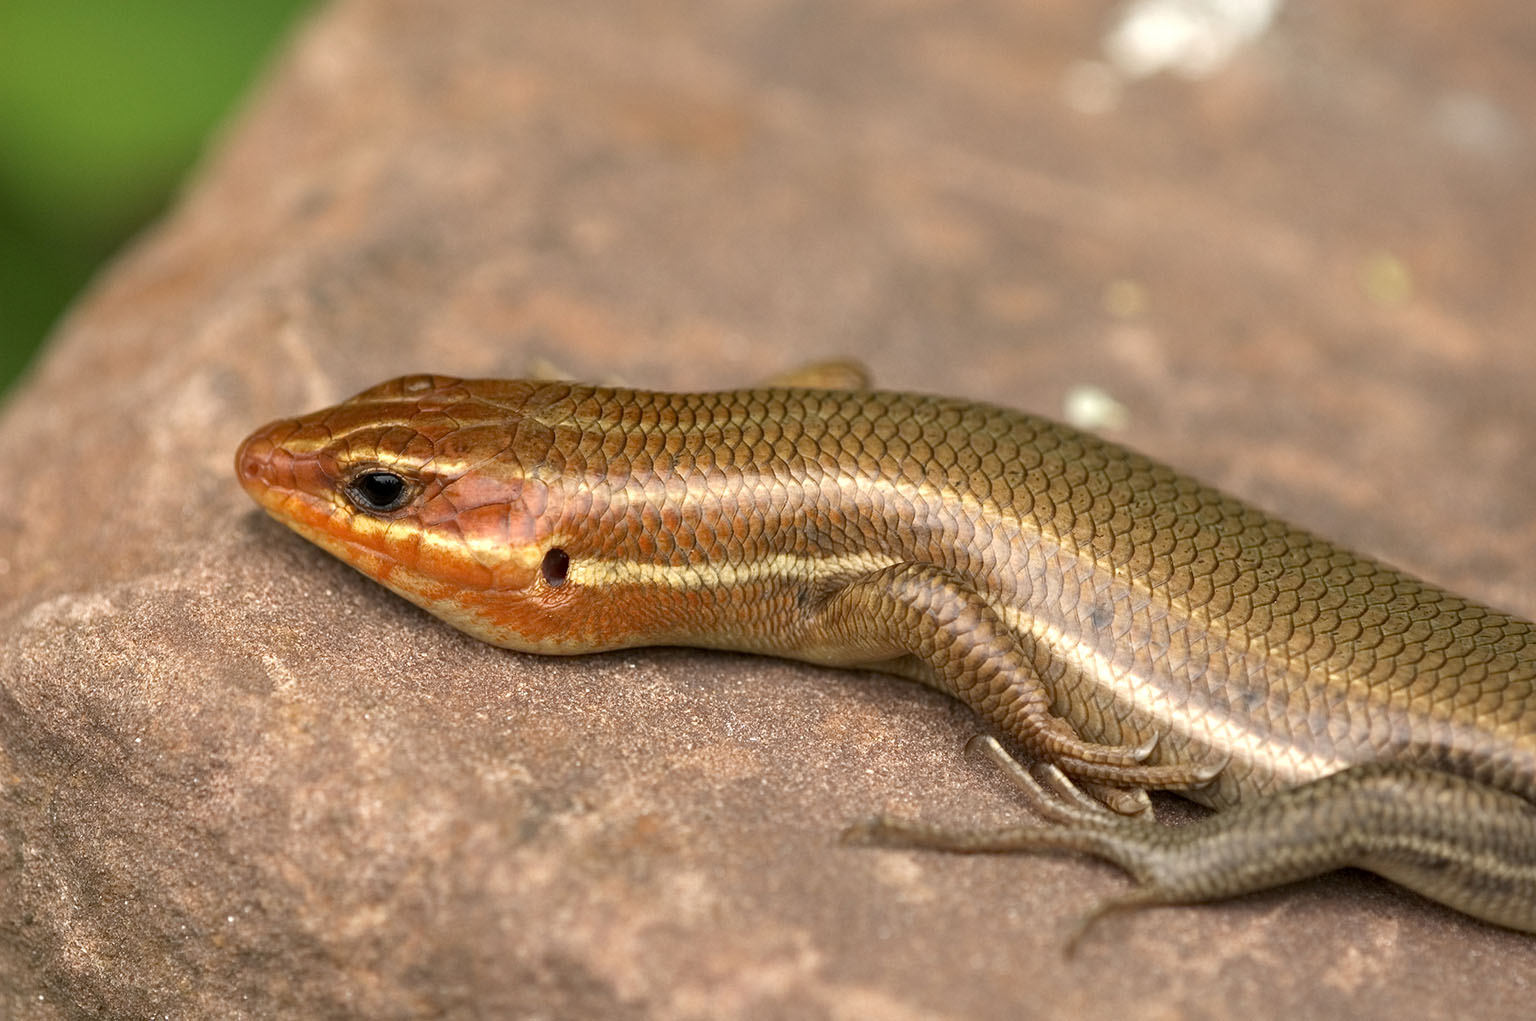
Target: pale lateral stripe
717,573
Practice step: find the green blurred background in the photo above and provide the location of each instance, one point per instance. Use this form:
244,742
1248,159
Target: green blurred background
104,107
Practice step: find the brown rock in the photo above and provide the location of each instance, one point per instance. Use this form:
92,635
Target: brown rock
240,781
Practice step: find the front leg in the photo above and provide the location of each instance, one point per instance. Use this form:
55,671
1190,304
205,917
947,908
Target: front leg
931,614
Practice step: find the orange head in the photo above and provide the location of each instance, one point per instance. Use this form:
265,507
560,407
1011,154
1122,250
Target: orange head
441,489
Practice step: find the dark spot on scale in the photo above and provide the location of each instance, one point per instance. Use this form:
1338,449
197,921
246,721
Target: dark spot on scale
1100,618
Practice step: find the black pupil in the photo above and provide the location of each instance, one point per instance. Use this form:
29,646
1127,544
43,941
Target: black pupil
378,491
556,563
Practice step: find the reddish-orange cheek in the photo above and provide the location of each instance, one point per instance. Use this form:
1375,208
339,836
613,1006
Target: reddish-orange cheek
484,533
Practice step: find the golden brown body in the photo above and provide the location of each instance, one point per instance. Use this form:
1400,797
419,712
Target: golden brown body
1126,623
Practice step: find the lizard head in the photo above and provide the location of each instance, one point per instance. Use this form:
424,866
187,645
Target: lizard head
444,490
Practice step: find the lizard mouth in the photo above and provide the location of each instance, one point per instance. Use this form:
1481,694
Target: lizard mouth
297,491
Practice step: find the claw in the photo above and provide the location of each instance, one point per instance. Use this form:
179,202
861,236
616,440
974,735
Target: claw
1124,802
1208,773
1067,747
1144,750
1158,776
983,741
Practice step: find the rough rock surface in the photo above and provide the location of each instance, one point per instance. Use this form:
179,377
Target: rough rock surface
238,780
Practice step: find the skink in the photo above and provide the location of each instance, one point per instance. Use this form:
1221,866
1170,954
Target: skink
1125,626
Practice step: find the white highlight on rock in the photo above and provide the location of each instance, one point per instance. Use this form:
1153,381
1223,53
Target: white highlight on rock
1089,407
1193,38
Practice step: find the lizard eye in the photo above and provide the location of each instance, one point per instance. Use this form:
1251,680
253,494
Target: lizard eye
378,491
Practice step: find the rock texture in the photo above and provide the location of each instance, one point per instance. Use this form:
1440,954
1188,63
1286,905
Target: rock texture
237,780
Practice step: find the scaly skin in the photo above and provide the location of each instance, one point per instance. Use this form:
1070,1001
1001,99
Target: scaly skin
1129,625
